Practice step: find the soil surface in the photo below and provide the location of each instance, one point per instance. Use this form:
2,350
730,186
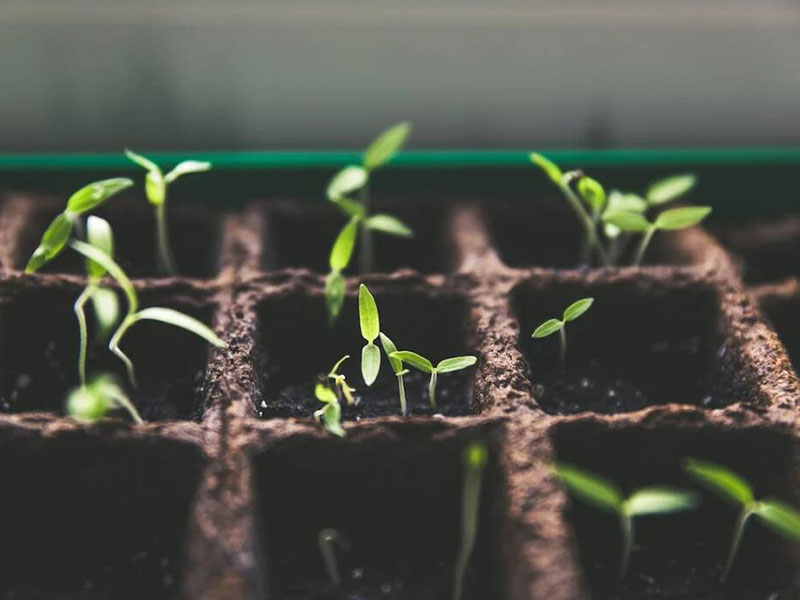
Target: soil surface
766,250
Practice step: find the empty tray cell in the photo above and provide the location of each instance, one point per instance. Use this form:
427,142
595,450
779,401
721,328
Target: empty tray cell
86,517
301,234
194,237
395,500
297,348
682,555
782,312
39,343
640,344
544,232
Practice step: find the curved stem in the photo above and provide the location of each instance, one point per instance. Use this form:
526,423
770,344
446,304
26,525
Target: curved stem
648,235
116,339
736,541
401,387
469,526
432,388
591,241
166,261
126,404
626,527
365,256
80,313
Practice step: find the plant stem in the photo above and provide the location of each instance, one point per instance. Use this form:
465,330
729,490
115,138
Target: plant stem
113,345
166,261
741,521
126,404
645,241
325,540
401,387
365,256
473,479
562,333
590,241
626,528
79,305
432,388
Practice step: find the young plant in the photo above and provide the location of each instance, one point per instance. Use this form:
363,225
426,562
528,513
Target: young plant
60,229
448,365
91,402
549,327
341,189
328,539
780,517
134,314
476,455
155,187
343,390
370,330
606,496
331,413
399,371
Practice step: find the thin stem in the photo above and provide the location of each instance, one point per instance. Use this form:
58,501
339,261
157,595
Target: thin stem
736,541
79,305
432,388
126,404
591,240
645,241
562,333
116,339
166,261
365,256
626,527
469,526
401,387
326,539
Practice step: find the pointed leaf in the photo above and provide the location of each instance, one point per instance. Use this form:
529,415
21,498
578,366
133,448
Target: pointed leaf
415,360
94,194
105,304
347,180
368,314
370,363
178,319
549,167
659,500
335,369
386,145
681,218
112,268
388,224
388,349
52,243
99,235
591,488
325,394
456,363
781,517
334,295
186,167
721,480
342,250
670,188
549,327
619,202
142,161
592,193
626,221
577,308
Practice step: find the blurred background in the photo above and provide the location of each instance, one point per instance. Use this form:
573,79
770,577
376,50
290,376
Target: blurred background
177,74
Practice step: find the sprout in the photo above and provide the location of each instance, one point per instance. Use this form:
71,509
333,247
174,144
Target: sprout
155,187
60,229
448,365
134,314
782,518
604,495
476,455
348,181
91,402
327,539
331,413
549,327
340,383
397,366
370,330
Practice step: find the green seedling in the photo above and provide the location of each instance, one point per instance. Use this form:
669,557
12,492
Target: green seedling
549,327
328,539
370,330
476,455
670,220
104,300
399,371
331,413
670,189
606,496
91,402
343,390
777,515
448,365
155,187
351,180
135,314
60,230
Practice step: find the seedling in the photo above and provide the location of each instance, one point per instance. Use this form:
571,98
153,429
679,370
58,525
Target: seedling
777,515
91,402
134,314
59,231
341,189
155,187
549,327
476,455
370,330
399,371
606,496
331,413
448,365
343,390
328,539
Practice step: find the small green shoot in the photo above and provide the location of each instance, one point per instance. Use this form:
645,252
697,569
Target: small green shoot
331,413
328,539
155,187
670,189
59,231
549,327
134,314
370,330
476,455
606,496
91,402
448,365
779,516
399,371
343,390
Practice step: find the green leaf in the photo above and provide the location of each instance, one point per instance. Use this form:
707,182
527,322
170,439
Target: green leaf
476,455
577,308
721,480
659,500
335,369
670,188
99,235
94,194
388,349
105,304
52,243
186,167
386,145
350,207
619,202
112,268
549,167
368,315
86,403
456,363
549,327
142,161
627,221
334,294
178,319
781,517
592,193
347,180
415,360
325,394
589,487
681,218
370,363
388,224
155,188
342,250
332,418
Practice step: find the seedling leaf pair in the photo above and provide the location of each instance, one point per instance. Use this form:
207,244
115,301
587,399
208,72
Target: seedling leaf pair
331,413
448,365
551,326
340,382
